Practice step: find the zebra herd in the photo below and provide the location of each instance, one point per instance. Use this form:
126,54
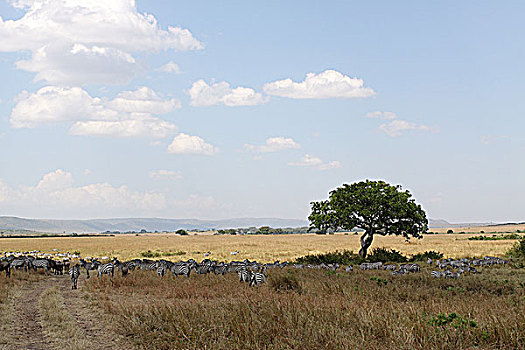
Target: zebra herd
251,272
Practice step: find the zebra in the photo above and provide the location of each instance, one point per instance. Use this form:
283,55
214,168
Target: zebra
89,265
161,270
429,261
106,269
244,275
410,267
257,278
42,263
74,273
391,267
235,252
180,269
21,263
437,274
349,268
207,254
6,265
371,266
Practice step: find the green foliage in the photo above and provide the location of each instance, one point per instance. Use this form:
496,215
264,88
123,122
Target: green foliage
384,255
380,281
454,320
373,206
346,257
150,254
181,232
434,255
76,252
450,231
518,250
495,237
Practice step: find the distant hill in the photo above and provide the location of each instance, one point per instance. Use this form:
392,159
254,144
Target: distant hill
11,223
137,224
440,223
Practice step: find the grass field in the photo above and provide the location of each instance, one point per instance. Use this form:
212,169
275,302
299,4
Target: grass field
258,247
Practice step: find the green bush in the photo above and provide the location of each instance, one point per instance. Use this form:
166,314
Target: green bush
181,232
450,231
453,320
434,255
384,255
346,257
518,250
150,254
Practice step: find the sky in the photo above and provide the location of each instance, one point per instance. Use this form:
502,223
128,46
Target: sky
208,109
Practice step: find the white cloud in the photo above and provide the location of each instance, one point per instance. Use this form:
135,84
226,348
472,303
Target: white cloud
55,193
78,42
186,144
316,163
491,139
164,174
130,114
142,126
274,144
396,127
170,67
328,84
203,94
381,115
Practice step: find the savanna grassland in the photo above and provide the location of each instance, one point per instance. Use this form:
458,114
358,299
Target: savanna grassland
294,309
263,248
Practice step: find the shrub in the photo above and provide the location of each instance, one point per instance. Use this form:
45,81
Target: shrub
518,250
150,254
452,319
450,231
181,232
434,255
286,284
346,257
385,255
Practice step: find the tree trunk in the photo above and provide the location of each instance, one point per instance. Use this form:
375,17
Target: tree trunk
366,242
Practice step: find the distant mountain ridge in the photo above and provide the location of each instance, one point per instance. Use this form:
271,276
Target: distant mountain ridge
157,224
137,224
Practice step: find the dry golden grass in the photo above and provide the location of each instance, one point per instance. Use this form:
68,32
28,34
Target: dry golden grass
356,310
258,247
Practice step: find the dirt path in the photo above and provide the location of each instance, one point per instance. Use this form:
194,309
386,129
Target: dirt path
28,325
30,334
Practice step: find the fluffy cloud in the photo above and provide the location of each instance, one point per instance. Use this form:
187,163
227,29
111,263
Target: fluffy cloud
56,193
316,163
186,144
381,115
170,67
328,84
164,174
396,127
77,42
130,114
274,144
203,94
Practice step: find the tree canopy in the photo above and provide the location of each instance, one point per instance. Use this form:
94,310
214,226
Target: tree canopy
373,206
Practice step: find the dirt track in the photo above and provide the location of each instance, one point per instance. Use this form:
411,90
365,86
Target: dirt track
30,333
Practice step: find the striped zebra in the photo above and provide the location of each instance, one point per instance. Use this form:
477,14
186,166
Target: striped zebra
371,266
349,268
410,267
106,269
437,274
244,275
89,265
391,267
74,273
257,278
42,264
161,270
181,269
21,263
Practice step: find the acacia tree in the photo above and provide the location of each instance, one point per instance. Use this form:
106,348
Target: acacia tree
373,206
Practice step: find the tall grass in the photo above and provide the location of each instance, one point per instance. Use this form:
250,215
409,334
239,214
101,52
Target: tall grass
313,309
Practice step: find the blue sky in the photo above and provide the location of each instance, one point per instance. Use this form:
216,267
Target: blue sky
230,109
